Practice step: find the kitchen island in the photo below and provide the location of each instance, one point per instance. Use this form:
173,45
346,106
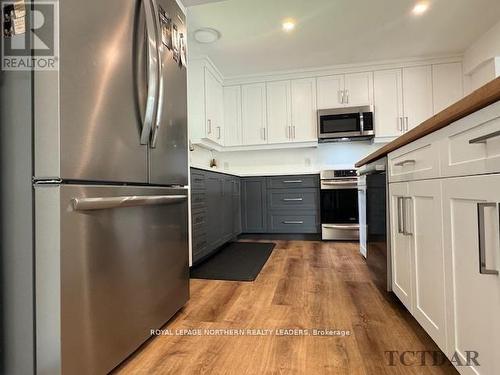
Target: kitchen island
444,215
482,97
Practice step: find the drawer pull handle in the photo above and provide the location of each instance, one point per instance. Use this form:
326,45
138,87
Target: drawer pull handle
484,138
293,199
292,222
482,245
292,181
404,162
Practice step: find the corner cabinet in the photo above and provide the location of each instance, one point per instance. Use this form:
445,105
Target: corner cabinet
445,238
232,116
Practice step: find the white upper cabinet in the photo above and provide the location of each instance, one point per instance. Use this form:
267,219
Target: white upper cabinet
205,104
232,116
345,90
254,122
304,119
447,85
330,91
279,114
417,95
358,89
388,101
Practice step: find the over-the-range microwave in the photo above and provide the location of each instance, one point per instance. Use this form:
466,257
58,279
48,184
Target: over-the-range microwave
344,124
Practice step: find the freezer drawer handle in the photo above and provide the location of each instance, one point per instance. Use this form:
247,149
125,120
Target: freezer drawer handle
293,199
483,269
293,222
87,204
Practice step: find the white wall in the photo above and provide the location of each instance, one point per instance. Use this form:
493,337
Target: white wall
285,161
481,62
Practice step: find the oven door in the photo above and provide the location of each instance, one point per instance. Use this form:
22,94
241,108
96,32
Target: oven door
337,123
339,211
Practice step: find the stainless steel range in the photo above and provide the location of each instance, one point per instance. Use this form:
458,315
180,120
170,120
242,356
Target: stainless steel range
339,205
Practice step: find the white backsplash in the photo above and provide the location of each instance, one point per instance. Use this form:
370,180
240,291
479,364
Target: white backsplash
285,161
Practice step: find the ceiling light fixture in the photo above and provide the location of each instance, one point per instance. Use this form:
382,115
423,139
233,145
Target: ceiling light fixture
420,8
206,35
288,25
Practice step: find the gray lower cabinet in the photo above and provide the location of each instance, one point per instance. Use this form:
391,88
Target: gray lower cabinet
216,211
254,204
281,204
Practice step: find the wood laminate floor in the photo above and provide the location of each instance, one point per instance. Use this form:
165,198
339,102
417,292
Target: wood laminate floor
304,285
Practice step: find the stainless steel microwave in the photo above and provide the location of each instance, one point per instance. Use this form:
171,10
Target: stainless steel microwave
348,123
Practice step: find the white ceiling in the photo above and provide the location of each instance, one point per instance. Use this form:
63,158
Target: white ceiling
330,32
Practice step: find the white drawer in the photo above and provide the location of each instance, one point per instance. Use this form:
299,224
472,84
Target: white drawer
416,161
471,145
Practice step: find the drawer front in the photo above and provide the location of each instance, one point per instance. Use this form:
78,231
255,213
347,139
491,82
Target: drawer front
307,199
293,182
291,222
198,200
197,180
416,161
471,145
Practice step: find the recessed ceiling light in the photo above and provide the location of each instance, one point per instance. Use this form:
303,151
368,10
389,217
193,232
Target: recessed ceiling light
420,8
206,35
288,25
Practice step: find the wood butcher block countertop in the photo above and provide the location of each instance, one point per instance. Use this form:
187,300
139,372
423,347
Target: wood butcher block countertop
482,97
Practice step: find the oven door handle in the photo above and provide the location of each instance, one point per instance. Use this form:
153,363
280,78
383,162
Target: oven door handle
340,226
338,183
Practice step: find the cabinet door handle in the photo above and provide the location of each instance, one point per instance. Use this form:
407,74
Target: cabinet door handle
406,124
218,132
346,96
341,96
293,199
292,222
293,129
292,181
400,124
483,269
263,133
404,162
400,215
484,138
209,126
407,210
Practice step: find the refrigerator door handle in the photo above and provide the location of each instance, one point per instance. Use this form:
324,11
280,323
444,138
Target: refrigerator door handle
90,204
159,99
153,72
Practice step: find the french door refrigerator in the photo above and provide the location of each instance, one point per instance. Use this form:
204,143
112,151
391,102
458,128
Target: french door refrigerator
109,183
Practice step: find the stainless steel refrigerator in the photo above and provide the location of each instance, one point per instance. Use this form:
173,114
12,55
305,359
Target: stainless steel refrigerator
108,164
